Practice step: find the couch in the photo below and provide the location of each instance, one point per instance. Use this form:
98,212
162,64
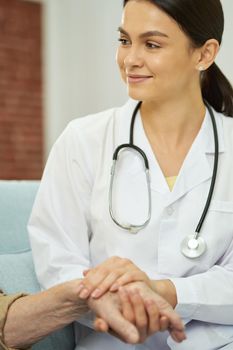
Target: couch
16,264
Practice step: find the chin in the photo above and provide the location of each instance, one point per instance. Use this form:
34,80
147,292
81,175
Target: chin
135,94
138,95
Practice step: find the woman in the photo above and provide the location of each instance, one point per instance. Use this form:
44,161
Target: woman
166,57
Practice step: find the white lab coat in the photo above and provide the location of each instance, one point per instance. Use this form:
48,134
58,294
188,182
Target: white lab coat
71,229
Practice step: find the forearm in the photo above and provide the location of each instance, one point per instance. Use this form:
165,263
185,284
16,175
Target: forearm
206,296
32,317
166,289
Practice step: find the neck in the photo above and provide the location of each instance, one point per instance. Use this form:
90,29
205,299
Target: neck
170,123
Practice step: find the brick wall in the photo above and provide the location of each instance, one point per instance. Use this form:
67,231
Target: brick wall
21,151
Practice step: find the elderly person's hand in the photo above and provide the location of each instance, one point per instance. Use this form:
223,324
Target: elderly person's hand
166,317
110,318
143,308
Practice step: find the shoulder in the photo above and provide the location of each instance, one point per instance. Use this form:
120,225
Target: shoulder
93,122
227,124
98,122
95,127
225,120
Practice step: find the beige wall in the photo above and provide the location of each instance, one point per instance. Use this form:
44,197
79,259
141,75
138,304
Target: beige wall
80,73
225,57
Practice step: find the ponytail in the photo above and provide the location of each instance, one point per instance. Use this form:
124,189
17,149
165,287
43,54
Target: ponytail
217,90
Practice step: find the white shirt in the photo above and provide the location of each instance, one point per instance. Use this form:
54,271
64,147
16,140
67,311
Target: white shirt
71,229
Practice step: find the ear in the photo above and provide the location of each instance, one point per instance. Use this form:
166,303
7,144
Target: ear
207,54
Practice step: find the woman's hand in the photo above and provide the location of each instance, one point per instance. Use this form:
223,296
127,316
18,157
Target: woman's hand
110,275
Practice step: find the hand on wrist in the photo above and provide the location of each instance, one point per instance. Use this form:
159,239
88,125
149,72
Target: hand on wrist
166,289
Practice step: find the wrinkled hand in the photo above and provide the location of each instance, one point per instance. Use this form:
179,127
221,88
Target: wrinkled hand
166,317
148,311
110,318
110,275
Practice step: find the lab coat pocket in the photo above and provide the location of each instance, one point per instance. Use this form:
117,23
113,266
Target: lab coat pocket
218,230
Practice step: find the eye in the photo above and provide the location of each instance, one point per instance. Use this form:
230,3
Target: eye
124,41
152,45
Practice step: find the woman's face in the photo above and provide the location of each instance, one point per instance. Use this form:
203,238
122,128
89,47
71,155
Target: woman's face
155,56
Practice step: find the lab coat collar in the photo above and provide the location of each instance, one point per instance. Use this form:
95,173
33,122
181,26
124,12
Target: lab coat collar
206,133
196,167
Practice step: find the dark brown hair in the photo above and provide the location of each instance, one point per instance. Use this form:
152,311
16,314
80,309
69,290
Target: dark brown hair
202,20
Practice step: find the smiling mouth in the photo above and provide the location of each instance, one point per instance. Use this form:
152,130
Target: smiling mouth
135,79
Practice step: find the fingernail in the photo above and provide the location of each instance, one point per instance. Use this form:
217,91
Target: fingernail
132,336
84,293
114,288
96,293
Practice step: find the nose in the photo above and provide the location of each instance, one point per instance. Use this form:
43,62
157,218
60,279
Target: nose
133,58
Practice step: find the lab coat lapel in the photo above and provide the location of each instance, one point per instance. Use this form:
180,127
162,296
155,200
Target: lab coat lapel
190,174
198,165
195,170
158,182
122,131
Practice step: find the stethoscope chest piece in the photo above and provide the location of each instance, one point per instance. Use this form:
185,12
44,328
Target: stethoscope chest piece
193,247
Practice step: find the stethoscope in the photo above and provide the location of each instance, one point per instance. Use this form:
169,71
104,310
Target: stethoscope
193,246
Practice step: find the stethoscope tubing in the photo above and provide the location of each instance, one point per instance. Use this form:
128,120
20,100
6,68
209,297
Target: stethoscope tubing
194,239
214,174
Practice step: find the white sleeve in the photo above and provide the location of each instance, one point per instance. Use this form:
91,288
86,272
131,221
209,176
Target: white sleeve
208,296
58,227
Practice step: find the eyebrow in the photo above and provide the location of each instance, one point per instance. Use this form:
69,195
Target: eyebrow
146,34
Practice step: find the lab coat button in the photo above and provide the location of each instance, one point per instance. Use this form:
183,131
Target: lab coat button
170,210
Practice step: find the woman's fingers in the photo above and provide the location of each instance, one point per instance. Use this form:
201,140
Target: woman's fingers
85,272
99,279
97,283
89,283
106,283
110,275
134,275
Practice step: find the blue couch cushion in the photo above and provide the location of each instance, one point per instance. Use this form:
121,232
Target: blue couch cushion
16,200
16,265
17,273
